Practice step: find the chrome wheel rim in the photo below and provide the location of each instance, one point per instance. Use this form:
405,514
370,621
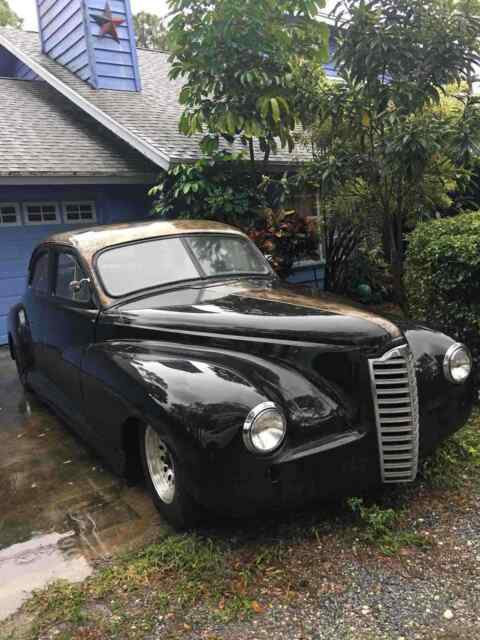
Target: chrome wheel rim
160,466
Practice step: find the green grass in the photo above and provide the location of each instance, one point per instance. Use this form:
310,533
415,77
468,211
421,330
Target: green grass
174,575
383,527
457,460
182,571
384,522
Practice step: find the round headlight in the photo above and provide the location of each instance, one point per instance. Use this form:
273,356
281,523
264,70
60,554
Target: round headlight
457,364
265,428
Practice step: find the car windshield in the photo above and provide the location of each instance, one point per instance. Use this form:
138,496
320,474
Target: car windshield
144,265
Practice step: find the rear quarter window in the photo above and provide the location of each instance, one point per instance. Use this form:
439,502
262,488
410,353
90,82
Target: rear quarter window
40,270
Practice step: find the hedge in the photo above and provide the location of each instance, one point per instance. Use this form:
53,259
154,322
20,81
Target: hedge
443,277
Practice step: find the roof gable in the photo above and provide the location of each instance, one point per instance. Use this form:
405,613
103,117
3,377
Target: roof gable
147,121
44,135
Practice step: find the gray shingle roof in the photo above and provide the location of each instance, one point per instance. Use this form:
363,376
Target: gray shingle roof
152,116
41,133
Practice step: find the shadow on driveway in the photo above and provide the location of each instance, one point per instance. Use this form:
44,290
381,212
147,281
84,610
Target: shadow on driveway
61,510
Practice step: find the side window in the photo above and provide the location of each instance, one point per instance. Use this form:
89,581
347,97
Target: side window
68,271
39,280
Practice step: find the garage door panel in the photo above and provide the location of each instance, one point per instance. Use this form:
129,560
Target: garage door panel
15,250
10,287
16,247
13,269
7,303
11,291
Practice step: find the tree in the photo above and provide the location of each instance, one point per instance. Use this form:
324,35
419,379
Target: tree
238,60
388,134
151,31
9,18
216,188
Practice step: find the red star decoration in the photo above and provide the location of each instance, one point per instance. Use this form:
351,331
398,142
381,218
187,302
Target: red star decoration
108,24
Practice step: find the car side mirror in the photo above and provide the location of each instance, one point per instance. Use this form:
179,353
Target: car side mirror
77,286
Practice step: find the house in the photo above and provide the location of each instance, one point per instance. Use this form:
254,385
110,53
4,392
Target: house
88,122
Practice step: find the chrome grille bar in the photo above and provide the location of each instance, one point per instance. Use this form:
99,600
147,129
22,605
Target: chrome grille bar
395,398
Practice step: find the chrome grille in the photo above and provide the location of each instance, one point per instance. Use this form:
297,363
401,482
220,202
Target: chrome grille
394,386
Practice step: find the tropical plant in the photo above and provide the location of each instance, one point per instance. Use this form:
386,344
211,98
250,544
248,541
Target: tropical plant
8,17
285,237
217,188
387,133
238,60
150,31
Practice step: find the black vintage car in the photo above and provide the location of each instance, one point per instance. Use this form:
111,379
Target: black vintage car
172,346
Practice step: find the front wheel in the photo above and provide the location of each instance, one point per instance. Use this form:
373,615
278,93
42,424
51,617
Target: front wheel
165,479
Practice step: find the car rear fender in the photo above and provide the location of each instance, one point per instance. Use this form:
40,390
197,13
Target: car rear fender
19,336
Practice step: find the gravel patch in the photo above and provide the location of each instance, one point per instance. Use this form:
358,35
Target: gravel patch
417,595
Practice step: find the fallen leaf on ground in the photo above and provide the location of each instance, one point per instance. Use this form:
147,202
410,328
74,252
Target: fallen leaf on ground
256,606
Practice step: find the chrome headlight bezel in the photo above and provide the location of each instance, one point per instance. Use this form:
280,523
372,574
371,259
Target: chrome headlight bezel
252,420
448,360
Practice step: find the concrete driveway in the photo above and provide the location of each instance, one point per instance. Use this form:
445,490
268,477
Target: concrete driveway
61,510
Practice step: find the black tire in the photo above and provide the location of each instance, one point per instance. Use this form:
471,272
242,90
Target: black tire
178,508
21,364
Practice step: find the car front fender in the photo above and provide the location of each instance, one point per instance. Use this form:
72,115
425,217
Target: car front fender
444,406
203,394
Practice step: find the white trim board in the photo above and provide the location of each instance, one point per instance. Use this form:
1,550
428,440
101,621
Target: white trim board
15,181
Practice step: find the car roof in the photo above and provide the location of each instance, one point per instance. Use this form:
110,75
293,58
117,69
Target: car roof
91,240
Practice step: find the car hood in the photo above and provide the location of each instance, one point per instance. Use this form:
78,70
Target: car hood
255,309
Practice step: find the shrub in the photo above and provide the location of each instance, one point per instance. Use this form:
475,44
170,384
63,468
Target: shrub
443,277
367,268
285,237
218,188
221,189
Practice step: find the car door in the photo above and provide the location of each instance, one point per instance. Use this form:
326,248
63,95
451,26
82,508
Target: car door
35,318
73,314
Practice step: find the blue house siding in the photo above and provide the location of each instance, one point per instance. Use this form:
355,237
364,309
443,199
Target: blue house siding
11,67
330,68
120,203
63,34
22,72
115,63
71,36
309,275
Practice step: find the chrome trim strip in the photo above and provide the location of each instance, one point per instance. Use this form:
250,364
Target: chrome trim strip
328,443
